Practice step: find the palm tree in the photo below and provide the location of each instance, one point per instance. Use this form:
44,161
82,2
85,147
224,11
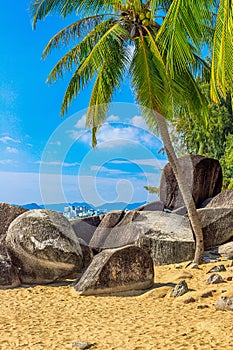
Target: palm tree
158,42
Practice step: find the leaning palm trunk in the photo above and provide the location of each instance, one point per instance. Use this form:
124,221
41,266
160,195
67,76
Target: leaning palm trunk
185,190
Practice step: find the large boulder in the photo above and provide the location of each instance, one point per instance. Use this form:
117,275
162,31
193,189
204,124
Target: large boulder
226,250
85,227
8,273
123,233
168,238
7,214
152,206
126,269
103,230
204,176
44,247
217,225
222,200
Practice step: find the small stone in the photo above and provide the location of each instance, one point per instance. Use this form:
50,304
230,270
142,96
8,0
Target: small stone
224,303
207,294
189,300
180,289
178,266
82,345
202,306
217,268
194,266
214,279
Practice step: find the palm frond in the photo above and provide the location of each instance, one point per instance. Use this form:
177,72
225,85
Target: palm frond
78,53
107,80
101,51
222,57
73,31
182,33
147,78
42,8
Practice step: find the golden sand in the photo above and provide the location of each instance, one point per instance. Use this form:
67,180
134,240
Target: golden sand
54,317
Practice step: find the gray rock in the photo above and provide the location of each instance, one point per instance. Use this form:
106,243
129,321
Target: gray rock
180,211
207,294
8,273
125,232
206,202
204,176
224,303
189,300
82,345
84,228
217,225
168,238
222,200
217,268
7,214
214,279
87,254
180,289
112,271
226,250
103,230
44,247
152,206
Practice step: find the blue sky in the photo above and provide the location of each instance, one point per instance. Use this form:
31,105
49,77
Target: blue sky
46,159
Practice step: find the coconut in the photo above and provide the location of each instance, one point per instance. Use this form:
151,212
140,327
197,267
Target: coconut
142,16
145,22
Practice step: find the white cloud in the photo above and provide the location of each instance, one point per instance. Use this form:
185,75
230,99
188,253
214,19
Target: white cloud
109,133
55,163
157,163
79,135
138,121
56,143
113,118
6,139
151,162
6,161
12,150
99,168
81,123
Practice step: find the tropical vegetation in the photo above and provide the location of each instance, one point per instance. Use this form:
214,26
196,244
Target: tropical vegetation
213,139
158,43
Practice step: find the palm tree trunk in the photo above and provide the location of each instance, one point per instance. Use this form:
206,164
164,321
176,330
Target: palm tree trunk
185,190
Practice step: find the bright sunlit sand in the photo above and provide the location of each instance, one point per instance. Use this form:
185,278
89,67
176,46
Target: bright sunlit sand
54,317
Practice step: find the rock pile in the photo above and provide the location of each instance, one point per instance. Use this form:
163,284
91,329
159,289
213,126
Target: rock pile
42,246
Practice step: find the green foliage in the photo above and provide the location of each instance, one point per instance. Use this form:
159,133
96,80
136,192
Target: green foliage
153,190
227,162
211,139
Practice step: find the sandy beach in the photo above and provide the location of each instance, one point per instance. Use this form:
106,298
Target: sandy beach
55,317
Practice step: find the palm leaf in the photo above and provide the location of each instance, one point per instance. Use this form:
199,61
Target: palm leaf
182,33
222,60
100,52
147,79
42,8
80,28
107,80
78,53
